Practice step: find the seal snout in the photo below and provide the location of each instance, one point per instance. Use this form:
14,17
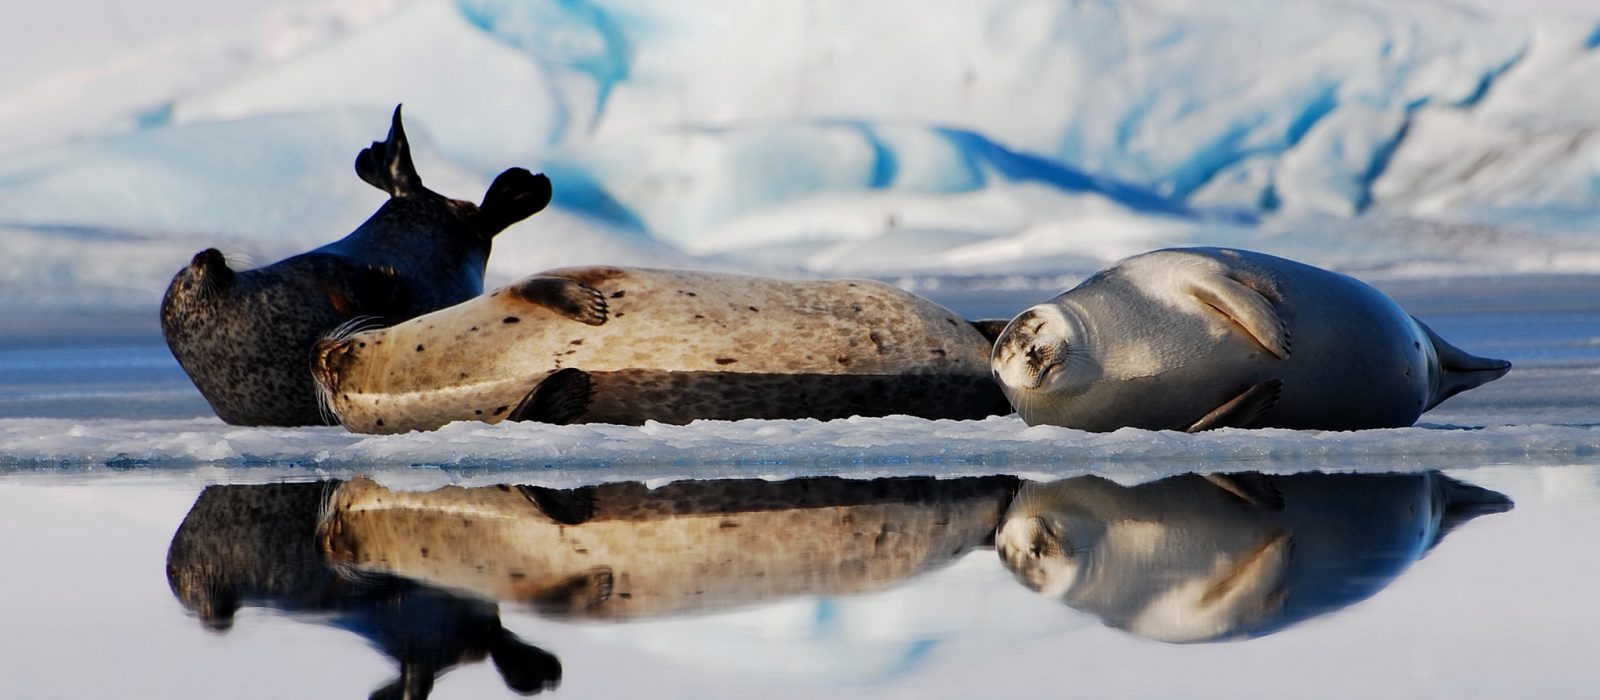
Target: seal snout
1030,350
329,358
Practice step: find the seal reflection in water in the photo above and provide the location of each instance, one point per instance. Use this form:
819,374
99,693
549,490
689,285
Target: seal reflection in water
1201,338
1207,558
627,345
622,551
244,336
256,546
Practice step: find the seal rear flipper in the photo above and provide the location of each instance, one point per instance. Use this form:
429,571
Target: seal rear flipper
567,297
561,397
1253,488
576,594
1242,410
1459,370
387,165
1247,307
515,195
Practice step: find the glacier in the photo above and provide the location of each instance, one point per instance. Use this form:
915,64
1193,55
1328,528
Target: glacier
1000,138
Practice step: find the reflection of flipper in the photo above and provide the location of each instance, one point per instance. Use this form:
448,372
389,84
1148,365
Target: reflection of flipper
1251,487
576,594
1243,409
565,506
560,398
570,298
526,669
1257,577
1461,501
415,681
1459,369
1248,308
990,328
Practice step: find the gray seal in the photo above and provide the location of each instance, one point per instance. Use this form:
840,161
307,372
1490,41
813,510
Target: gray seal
627,345
1200,338
244,336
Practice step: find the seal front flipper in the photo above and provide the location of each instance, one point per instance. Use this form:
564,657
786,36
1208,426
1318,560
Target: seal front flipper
515,195
386,164
567,297
1247,307
1241,410
576,594
560,398
1459,370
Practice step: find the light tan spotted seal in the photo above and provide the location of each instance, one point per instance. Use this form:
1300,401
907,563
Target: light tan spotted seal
627,345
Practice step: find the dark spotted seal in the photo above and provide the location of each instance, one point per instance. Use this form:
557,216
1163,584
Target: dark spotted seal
1192,339
627,345
244,337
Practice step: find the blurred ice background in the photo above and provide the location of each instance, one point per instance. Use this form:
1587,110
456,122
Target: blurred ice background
988,139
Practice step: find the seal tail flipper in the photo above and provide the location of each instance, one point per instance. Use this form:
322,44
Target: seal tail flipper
1242,410
387,165
1459,370
561,397
567,297
515,195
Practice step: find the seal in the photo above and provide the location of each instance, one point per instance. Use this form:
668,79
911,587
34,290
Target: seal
1199,558
627,345
624,551
244,337
1200,338
255,546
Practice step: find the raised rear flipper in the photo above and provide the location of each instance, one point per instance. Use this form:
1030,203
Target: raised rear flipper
1242,410
567,297
515,195
386,164
1459,370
